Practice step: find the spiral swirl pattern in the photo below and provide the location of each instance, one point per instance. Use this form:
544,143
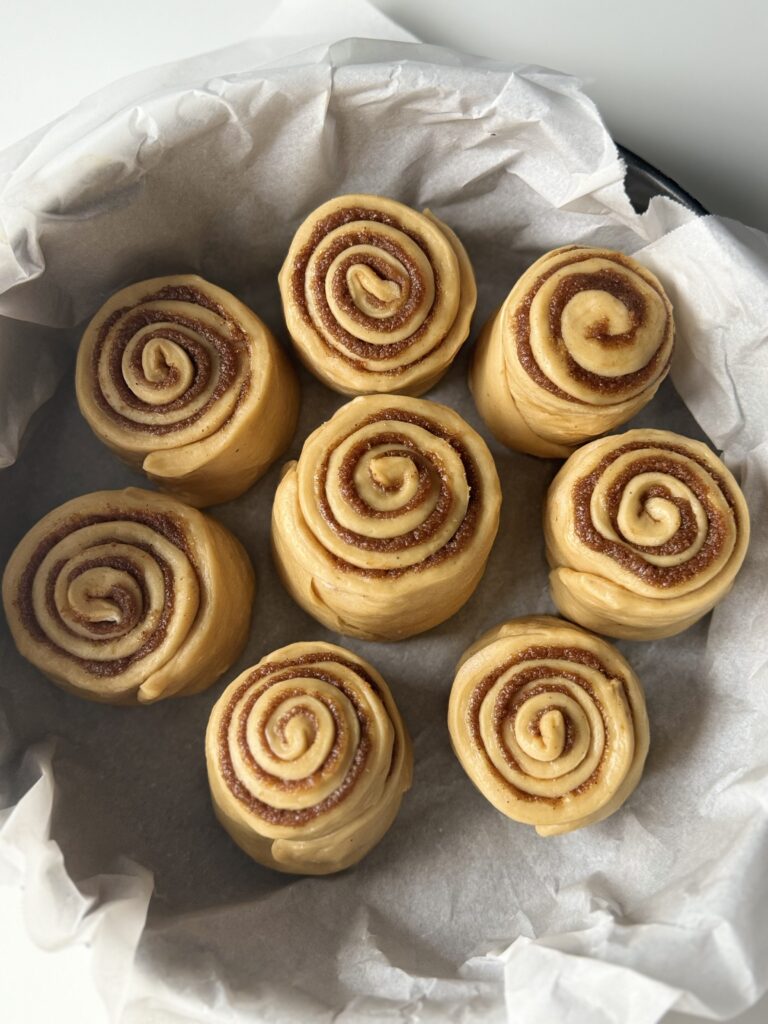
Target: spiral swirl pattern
549,722
117,596
377,297
308,759
383,527
581,344
181,379
645,533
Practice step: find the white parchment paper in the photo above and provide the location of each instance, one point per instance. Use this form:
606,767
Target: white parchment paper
111,863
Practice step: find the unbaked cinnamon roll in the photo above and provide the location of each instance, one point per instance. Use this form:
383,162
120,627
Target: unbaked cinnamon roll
383,527
645,533
549,722
308,759
581,344
182,380
129,596
377,297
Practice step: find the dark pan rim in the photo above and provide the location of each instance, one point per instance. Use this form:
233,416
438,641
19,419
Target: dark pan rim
659,181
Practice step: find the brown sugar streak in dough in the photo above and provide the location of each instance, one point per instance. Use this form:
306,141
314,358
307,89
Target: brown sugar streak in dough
347,483
373,574
273,814
368,747
360,348
600,749
405,540
130,612
166,630
454,545
613,284
530,654
163,524
546,375
232,396
611,584
229,356
406,331
353,344
660,576
686,532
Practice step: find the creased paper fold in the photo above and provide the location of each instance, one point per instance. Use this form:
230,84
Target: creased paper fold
459,915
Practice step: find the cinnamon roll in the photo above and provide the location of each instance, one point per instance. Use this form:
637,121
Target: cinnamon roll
581,344
549,722
645,533
308,759
182,380
383,527
129,596
377,297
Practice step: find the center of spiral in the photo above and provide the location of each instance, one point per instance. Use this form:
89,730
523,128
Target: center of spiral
543,737
390,482
105,599
543,731
157,370
595,328
390,472
374,295
596,314
368,286
292,733
643,520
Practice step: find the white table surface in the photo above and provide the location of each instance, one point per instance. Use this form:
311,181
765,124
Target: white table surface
683,84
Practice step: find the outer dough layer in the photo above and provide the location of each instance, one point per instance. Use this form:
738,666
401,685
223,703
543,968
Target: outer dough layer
308,759
377,297
581,344
383,527
129,596
549,722
645,533
182,380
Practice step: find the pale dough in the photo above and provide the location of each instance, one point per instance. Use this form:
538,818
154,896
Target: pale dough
183,381
129,596
377,297
308,759
549,722
645,533
580,345
383,527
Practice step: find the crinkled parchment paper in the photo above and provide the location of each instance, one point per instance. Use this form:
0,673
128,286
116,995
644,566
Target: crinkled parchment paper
111,858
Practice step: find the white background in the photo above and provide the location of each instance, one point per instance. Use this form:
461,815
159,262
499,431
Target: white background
684,83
